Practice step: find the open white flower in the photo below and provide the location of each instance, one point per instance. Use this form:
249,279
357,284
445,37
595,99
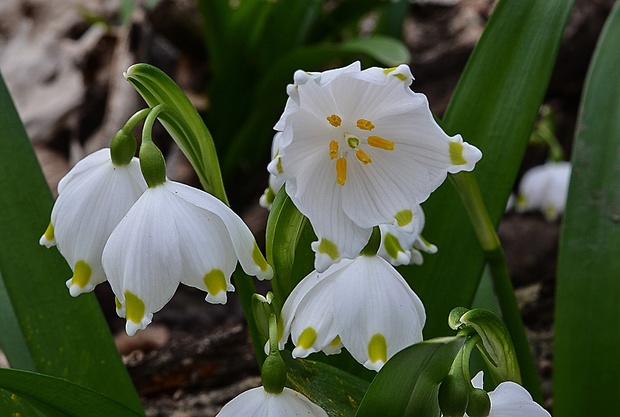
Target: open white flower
176,234
259,403
92,199
363,304
402,247
359,149
545,188
510,399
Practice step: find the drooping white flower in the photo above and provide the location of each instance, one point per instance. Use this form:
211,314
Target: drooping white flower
510,399
545,188
275,181
259,403
92,199
176,234
363,304
359,149
402,247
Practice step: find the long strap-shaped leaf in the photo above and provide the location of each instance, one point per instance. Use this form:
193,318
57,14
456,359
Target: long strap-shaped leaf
62,336
494,107
587,331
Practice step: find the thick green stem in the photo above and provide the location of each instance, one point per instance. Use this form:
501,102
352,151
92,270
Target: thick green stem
245,289
467,187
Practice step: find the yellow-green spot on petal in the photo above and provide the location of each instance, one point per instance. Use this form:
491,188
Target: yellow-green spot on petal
334,120
341,171
329,248
81,274
135,307
215,281
307,338
259,259
117,303
381,143
279,166
386,71
404,217
336,342
392,245
521,201
333,149
377,349
402,77
363,157
365,124
49,232
456,153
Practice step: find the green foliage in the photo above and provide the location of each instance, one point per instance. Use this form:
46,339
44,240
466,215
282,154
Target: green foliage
587,333
337,392
58,397
408,383
42,328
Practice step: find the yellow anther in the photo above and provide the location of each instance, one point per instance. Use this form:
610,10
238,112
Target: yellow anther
333,149
334,120
381,143
365,124
341,171
363,157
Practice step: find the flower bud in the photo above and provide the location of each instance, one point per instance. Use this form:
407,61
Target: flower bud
453,396
479,403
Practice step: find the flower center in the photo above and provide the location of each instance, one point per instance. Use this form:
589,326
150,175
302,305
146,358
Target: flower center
353,142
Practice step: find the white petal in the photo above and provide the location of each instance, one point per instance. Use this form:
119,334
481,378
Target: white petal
259,403
478,380
142,257
512,400
250,257
371,298
93,198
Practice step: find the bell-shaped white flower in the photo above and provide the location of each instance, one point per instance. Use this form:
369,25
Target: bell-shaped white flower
259,403
510,399
176,234
92,199
363,304
545,188
402,247
359,149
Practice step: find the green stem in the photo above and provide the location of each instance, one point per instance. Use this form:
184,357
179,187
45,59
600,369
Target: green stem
244,286
136,118
467,187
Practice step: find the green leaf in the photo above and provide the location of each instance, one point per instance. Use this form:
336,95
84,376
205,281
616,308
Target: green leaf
183,123
494,107
497,349
408,383
337,392
587,330
63,336
389,51
58,397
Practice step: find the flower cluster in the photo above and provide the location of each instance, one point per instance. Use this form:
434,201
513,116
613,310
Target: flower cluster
146,240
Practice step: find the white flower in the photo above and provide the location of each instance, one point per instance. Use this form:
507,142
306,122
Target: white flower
92,199
510,399
176,234
259,403
545,188
401,247
275,181
359,149
362,304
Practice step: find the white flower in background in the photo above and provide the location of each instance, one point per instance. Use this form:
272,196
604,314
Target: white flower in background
259,403
545,188
275,181
176,234
92,199
510,399
401,247
363,304
359,149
